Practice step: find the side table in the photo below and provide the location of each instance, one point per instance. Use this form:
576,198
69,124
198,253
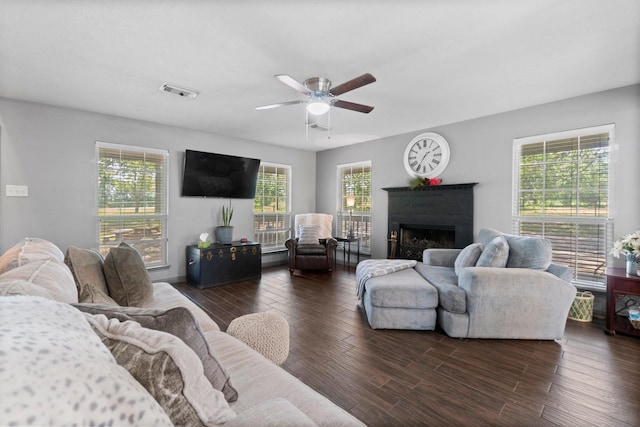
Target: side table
349,240
620,284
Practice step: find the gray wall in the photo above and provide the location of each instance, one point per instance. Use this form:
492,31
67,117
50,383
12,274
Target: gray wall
51,150
481,151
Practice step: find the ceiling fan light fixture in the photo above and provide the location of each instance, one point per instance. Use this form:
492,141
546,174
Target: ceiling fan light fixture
317,106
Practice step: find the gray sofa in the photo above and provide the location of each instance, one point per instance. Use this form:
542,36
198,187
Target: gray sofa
87,383
505,286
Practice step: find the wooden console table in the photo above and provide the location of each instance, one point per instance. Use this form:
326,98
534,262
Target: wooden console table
619,284
220,264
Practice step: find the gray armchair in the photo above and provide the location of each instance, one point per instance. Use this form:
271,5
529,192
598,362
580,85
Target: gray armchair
524,296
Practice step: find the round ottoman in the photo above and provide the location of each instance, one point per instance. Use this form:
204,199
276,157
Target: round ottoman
267,333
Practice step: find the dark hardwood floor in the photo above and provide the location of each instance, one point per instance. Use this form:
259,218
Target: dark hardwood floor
398,378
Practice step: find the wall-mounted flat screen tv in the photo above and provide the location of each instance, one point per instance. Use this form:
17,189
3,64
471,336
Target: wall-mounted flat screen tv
219,175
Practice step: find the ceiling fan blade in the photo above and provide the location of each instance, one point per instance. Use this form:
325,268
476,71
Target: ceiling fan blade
353,106
352,84
291,82
279,104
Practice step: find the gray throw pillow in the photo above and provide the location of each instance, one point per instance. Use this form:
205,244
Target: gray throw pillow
468,257
87,270
127,278
495,254
529,252
167,368
178,321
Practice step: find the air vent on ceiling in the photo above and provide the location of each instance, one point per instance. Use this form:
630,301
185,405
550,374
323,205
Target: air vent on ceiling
169,88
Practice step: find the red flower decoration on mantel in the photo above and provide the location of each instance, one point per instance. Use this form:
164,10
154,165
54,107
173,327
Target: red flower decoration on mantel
424,182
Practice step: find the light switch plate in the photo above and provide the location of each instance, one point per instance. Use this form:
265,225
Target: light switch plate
17,191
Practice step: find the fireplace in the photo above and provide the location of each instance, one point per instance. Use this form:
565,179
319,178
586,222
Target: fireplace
415,238
429,217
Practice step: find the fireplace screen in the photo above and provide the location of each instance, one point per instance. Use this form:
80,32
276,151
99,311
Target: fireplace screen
413,240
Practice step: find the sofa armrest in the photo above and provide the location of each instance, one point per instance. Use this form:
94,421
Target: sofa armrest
440,257
516,302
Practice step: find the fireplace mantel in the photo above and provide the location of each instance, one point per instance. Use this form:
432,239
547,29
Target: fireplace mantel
440,187
437,207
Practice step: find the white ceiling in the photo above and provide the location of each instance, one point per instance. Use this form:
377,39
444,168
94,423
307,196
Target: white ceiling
436,62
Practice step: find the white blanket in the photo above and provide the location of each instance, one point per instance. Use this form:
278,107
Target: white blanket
378,267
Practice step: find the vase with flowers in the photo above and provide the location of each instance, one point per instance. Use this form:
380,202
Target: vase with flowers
629,246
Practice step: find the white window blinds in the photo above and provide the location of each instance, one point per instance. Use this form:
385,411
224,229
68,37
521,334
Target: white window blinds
272,207
354,182
561,192
132,200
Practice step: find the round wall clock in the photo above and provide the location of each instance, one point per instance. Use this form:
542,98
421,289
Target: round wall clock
427,155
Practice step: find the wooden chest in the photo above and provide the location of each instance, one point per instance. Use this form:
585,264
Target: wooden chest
220,264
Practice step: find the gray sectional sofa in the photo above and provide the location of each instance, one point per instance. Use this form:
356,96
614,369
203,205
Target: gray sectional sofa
504,286
74,361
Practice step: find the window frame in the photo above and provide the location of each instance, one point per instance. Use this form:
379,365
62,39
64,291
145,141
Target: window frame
359,217
163,217
579,226
279,235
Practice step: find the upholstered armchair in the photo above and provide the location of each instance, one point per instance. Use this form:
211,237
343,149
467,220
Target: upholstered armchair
313,247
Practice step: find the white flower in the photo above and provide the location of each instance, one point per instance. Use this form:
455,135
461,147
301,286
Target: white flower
629,244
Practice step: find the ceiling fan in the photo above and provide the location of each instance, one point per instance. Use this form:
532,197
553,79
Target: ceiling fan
321,97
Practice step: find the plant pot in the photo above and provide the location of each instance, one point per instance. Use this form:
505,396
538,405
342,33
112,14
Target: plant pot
224,234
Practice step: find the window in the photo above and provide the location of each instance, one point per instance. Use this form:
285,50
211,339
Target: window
132,200
271,207
354,180
561,192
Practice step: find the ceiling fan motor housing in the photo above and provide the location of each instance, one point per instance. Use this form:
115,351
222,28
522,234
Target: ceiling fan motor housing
319,85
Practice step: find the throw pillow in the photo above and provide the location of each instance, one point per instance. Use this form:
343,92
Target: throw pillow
49,274
87,270
308,235
22,287
180,322
468,257
494,254
529,252
55,371
127,278
167,368
29,250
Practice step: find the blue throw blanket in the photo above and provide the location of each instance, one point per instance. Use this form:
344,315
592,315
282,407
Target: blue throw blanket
378,267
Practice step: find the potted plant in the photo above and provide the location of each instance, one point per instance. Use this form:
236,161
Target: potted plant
224,232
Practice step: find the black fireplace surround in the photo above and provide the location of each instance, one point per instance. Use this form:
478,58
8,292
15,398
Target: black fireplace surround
439,216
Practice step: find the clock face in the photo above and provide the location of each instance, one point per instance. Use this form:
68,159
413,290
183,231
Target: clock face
427,155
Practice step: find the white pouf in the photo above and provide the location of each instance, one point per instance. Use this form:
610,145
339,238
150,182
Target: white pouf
267,333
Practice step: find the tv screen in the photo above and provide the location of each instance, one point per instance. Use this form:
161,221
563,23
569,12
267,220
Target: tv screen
219,175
